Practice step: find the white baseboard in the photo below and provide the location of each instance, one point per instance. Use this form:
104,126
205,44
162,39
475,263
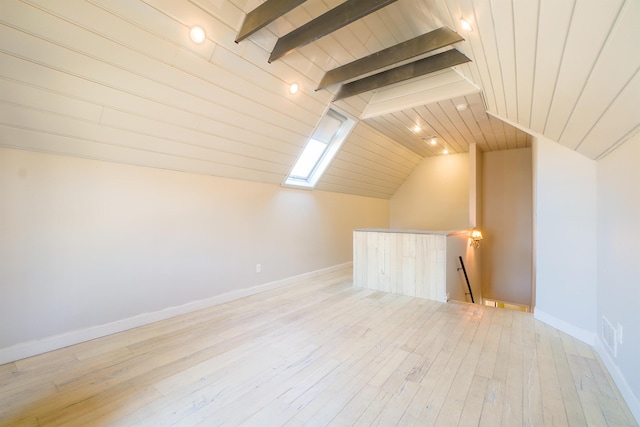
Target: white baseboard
633,401
583,335
32,348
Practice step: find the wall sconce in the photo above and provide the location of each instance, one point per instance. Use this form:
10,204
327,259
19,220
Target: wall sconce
474,238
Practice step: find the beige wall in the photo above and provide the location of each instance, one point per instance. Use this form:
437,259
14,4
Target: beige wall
507,225
85,243
435,196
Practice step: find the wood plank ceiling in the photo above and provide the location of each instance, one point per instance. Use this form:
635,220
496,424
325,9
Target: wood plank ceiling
121,81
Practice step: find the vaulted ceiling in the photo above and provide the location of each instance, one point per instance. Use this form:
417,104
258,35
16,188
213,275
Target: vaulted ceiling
120,80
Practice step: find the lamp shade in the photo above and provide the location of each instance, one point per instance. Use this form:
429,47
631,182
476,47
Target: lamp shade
476,235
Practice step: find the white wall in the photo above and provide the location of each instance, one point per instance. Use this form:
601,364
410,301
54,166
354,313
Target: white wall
507,226
565,238
619,261
85,243
435,196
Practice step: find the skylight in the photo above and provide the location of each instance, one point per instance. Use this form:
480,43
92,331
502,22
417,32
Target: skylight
326,140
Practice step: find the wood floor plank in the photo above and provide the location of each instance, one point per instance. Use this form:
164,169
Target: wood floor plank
472,408
320,352
573,407
532,411
460,388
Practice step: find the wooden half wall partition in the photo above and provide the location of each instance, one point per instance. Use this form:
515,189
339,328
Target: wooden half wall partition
403,262
417,263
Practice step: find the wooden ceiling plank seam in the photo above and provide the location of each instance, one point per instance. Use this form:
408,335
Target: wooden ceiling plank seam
373,165
362,179
446,16
472,123
184,13
504,29
443,136
571,122
345,170
391,148
525,40
327,23
488,40
510,135
623,91
378,171
59,145
265,14
339,173
133,100
399,32
109,134
618,143
487,131
365,153
418,68
377,135
126,102
556,20
383,151
195,137
423,148
559,70
351,190
391,131
444,122
395,54
586,42
329,179
475,46
137,72
462,127
427,149
485,61
83,144
500,131
468,119
384,126
449,122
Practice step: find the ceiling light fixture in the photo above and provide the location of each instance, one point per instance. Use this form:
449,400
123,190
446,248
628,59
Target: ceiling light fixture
465,25
294,88
461,107
433,141
197,34
416,128
445,151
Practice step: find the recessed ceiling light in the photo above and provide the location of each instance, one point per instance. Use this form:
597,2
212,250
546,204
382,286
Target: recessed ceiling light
294,88
462,107
445,151
433,141
465,25
197,34
416,128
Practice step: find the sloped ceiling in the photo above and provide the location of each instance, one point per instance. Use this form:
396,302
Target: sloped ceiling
121,81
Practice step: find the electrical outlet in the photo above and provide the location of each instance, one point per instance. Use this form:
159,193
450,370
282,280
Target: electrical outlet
258,268
619,326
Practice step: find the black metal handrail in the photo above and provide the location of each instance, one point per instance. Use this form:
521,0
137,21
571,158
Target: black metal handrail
464,270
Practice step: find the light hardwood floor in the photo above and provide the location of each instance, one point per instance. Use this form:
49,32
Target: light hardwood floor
320,352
